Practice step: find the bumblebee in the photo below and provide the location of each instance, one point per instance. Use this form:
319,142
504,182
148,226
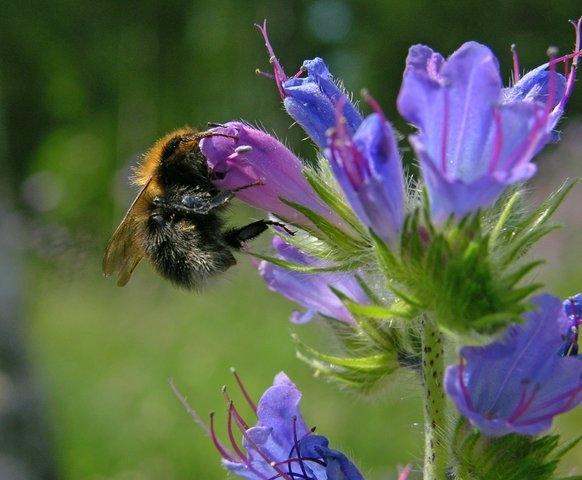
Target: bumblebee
176,220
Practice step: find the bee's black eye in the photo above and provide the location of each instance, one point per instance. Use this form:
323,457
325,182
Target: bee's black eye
170,147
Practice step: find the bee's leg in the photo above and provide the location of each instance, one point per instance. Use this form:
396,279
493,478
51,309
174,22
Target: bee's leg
237,237
204,206
194,204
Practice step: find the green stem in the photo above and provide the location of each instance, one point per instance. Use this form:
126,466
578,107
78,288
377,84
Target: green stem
435,428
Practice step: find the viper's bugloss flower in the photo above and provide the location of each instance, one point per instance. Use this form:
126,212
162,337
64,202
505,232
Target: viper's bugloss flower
280,445
248,156
368,167
312,100
311,290
475,138
573,311
519,383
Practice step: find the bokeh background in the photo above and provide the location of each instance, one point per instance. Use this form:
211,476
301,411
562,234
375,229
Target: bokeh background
85,87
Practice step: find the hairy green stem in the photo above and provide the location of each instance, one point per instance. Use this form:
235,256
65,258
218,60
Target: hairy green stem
435,446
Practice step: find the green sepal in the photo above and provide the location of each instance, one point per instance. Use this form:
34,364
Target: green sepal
332,234
510,457
333,199
296,267
513,239
464,271
362,373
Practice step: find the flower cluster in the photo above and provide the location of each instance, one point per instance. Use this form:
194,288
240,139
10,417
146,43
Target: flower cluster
401,262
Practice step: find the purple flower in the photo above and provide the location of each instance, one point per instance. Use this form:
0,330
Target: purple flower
280,446
519,383
476,138
311,290
250,156
367,166
312,100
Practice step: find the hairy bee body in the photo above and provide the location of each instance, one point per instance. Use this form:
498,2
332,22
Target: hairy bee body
185,248
176,220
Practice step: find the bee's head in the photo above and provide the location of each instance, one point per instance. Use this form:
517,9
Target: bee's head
180,160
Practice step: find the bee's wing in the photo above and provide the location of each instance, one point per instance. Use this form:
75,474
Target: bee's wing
124,252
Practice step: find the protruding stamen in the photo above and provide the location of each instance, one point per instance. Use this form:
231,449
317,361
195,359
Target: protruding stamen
233,441
244,391
279,73
572,75
516,74
230,403
300,72
224,453
552,54
268,75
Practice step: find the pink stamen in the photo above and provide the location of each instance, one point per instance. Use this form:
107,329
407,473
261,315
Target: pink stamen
373,103
572,76
498,141
524,403
224,453
445,131
524,150
278,71
300,72
230,403
551,82
516,74
244,391
233,441
464,388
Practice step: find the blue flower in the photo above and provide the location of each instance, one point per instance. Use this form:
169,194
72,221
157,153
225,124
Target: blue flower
475,138
368,168
280,445
519,383
311,290
312,100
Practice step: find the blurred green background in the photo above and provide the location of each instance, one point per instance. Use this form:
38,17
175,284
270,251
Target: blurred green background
87,86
